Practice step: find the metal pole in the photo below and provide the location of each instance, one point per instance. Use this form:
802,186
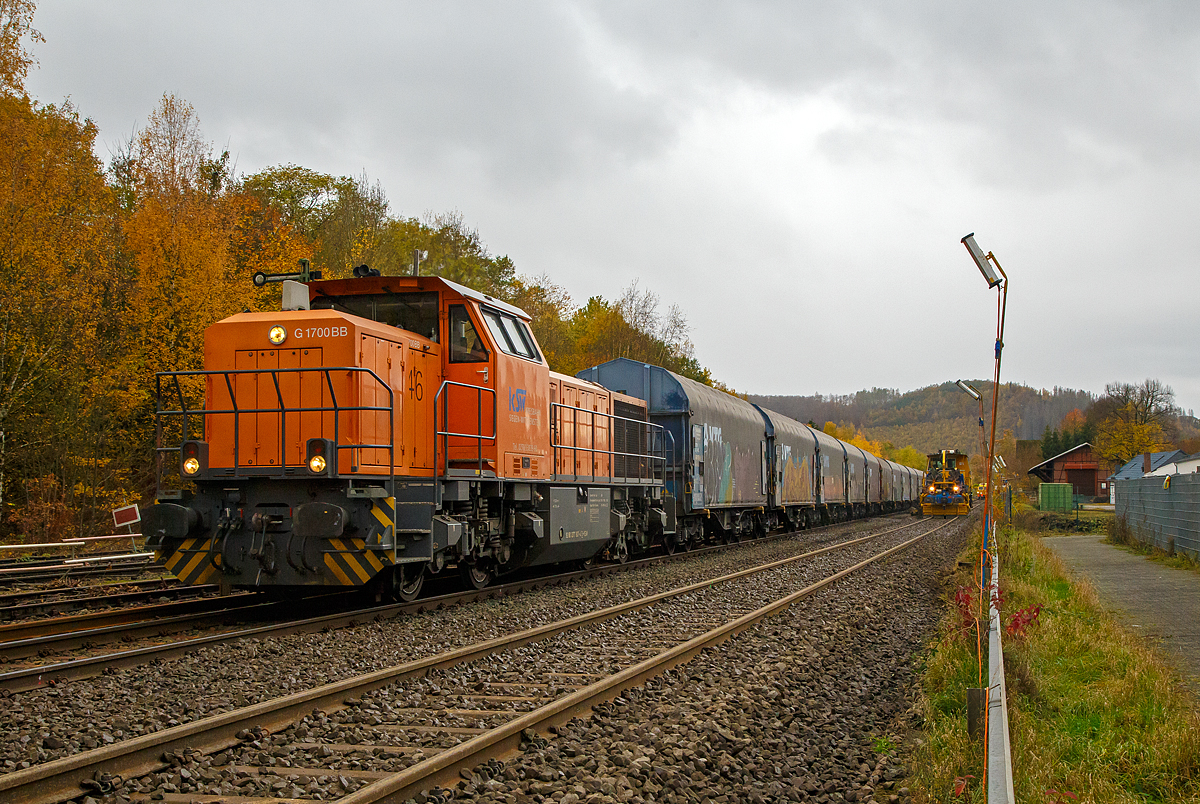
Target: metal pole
1001,307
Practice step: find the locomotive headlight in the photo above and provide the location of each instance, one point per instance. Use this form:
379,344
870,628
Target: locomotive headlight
932,489
956,488
191,466
316,464
277,335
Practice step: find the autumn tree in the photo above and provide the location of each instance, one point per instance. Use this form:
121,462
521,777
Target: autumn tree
907,456
53,248
1120,438
1133,419
16,24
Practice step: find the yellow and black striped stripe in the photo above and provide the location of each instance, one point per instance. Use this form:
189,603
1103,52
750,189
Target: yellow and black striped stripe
384,510
350,563
190,563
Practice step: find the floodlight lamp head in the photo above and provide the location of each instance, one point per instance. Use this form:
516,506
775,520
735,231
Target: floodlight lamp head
970,389
981,260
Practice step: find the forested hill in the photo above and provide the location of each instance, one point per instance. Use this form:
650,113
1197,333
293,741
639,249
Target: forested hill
936,417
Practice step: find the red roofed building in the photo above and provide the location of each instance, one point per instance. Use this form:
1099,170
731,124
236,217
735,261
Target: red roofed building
1081,467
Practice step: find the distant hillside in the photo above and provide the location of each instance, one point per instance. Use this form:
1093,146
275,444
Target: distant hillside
936,417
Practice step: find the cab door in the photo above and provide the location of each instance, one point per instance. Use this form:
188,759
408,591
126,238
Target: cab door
469,406
421,375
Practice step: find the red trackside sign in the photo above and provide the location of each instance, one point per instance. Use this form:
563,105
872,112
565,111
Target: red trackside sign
127,515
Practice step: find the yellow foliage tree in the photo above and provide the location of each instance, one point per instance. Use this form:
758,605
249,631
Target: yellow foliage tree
54,246
16,23
1119,439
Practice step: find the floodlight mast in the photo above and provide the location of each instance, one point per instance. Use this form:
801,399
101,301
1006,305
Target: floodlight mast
973,392
981,261
985,263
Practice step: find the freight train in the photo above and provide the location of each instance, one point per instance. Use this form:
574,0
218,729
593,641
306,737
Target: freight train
380,430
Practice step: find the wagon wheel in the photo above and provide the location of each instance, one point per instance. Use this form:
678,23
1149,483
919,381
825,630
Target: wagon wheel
407,581
475,576
670,544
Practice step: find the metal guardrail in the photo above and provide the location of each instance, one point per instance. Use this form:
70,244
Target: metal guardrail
187,415
1161,513
999,749
441,403
651,462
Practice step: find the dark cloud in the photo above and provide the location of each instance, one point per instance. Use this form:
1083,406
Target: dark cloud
1035,93
810,166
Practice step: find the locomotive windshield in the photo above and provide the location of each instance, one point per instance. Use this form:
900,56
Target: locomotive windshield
511,335
415,312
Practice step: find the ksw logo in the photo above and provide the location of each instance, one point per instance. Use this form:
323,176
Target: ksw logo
516,400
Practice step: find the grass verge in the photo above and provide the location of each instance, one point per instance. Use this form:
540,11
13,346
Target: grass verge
1095,715
1121,535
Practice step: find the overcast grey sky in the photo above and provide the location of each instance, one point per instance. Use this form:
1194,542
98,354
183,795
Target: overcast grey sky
796,176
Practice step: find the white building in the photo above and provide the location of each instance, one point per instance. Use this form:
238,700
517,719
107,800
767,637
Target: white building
1186,465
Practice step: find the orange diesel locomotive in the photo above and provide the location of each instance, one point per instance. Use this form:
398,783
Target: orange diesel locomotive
381,429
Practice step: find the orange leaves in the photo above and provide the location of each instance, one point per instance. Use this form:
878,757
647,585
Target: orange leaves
16,23
1073,421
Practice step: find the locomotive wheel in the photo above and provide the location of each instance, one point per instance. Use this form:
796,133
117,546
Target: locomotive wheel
408,580
474,576
670,545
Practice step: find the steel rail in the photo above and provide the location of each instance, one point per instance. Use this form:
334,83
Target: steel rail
442,769
26,595
60,779
94,622
18,605
13,575
25,679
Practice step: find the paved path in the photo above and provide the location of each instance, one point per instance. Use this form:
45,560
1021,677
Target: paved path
1155,600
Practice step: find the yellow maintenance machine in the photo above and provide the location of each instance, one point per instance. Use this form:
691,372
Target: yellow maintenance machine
947,489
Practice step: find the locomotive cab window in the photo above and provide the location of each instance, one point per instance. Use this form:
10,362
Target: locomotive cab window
414,312
465,343
511,335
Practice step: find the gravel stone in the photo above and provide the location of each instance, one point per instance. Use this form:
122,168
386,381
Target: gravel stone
785,711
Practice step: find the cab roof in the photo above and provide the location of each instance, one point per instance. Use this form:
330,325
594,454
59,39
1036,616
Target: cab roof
406,284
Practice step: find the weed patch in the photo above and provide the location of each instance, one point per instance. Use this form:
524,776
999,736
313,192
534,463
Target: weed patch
1121,535
1094,715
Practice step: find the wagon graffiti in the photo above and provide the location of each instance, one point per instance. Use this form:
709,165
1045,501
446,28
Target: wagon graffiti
730,475
797,477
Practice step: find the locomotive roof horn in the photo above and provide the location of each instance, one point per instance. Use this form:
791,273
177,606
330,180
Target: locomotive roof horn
305,274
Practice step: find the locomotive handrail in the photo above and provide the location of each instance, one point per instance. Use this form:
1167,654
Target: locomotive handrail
446,435
648,459
186,413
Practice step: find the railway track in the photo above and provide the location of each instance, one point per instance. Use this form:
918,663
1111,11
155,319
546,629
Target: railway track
389,734
24,643
15,606
12,575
